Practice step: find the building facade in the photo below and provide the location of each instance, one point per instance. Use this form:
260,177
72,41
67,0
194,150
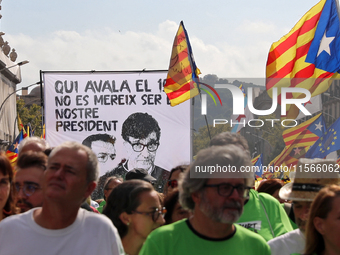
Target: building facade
10,76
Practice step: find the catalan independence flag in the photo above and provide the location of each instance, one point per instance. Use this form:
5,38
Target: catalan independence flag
308,56
299,139
258,162
182,79
12,151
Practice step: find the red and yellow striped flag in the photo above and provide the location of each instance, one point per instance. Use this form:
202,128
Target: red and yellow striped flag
299,58
299,139
182,79
43,133
12,152
21,127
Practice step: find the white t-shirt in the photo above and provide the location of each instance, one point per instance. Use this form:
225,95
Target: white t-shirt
91,234
292,242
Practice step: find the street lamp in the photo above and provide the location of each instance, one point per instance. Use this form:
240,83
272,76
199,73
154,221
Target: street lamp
37,83
329,95
17,64
329,115
271,147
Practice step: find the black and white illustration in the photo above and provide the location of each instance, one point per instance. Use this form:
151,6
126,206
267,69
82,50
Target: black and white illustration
125,117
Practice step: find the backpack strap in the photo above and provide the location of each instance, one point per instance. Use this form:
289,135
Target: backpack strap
265,211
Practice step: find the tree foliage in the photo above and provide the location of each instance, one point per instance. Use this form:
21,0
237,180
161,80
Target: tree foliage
30,116
202,139
273,134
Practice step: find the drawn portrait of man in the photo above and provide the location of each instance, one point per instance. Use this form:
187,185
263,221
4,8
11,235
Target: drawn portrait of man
103,145
141,134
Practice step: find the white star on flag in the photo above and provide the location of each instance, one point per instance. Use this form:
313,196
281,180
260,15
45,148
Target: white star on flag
324,44
318,126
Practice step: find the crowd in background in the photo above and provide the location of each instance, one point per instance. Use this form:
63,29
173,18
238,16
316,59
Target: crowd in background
46,205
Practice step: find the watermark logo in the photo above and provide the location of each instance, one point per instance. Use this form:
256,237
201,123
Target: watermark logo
239,103
204,97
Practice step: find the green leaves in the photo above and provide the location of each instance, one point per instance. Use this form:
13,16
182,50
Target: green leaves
30,115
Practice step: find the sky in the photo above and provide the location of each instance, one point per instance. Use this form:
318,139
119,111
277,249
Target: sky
229,38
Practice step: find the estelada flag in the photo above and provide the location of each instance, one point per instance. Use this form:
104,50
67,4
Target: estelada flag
308,56
258,161
12,151
299,139
182,79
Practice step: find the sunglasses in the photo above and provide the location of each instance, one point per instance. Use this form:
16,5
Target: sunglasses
172,183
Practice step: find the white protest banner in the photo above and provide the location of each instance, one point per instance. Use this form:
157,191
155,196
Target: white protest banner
88,105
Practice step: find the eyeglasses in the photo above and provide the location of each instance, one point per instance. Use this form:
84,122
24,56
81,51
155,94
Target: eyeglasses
103,157
154,214
172,183
226,189
28,188
138,147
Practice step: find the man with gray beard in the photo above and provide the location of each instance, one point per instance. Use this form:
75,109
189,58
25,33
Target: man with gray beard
216,200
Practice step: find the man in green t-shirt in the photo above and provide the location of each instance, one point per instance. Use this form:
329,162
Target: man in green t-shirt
216,200
262,213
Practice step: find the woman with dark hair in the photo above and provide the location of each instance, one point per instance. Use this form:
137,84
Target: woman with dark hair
135,209
174,176
174,210
7,191
323,225
271,187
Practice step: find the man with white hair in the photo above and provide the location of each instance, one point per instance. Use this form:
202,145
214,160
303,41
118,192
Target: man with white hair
262,213
33,143
60,226
217,202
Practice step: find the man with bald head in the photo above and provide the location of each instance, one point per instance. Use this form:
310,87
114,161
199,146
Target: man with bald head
33,143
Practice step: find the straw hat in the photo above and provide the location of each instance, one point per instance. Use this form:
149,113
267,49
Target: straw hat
311,175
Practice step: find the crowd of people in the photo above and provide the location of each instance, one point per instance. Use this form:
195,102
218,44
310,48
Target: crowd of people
48,203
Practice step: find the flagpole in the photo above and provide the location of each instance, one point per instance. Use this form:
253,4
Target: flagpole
37,83
247,132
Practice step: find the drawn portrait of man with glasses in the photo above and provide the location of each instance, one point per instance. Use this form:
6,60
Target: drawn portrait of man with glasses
103,145
141,134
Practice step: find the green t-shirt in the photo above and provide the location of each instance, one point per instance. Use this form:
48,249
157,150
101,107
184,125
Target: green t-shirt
264,215
101,206
180,238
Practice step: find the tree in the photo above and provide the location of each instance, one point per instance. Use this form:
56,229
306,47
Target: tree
202,139
273,135
30,116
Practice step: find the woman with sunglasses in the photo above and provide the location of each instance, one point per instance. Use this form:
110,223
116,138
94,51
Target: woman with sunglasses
7,204
135,209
